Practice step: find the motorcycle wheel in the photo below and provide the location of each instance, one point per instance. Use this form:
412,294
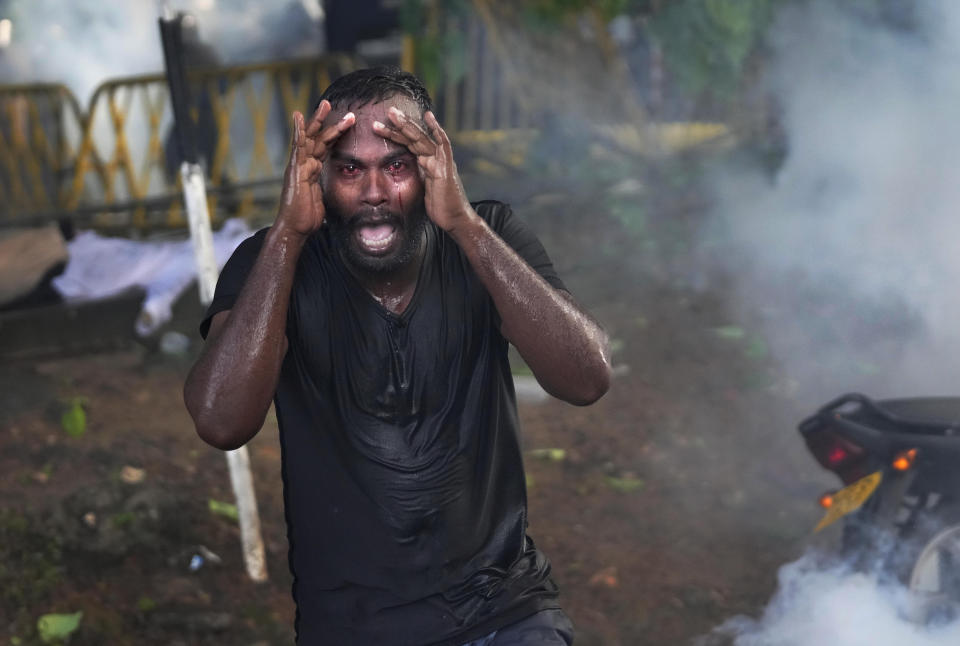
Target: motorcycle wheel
933,577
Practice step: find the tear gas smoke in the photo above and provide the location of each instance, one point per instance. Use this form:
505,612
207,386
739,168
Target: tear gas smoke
847,258
83,43
848,254
815,606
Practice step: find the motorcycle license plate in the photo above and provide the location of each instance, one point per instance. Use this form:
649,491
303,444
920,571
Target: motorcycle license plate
850,498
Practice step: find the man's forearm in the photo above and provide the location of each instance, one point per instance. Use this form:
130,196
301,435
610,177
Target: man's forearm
565,349
230,388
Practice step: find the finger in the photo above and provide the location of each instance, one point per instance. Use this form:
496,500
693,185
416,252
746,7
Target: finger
297,138
331,134
296,135
437,133
392,133
313,168
406,125
320,145
316,121
316,195
420,142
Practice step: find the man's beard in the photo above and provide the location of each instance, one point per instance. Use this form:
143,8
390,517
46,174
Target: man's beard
409,228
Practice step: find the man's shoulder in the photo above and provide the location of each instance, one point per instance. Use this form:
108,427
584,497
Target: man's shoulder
494,212
255,240
489,206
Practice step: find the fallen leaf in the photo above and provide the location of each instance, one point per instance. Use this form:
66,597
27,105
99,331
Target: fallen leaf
224,509
729,332
555,455
54,627
624,484
74,419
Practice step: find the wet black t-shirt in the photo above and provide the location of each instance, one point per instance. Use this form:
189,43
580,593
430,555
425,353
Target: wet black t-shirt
403,480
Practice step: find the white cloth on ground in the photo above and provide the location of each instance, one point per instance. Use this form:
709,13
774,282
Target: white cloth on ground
100,267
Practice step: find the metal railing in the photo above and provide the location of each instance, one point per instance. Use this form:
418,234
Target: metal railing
113,165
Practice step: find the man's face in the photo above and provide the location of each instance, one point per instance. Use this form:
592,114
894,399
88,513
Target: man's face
373,192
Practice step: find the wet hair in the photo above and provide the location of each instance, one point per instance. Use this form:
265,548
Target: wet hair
376,84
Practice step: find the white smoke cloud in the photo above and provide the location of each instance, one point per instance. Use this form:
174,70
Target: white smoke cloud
848,258
82,43
836,606
849,254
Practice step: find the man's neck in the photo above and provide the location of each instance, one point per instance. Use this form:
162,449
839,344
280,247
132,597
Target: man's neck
393,290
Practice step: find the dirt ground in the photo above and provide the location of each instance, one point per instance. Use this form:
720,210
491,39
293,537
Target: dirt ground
665,508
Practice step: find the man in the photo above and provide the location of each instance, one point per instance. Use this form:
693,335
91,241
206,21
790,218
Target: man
376,313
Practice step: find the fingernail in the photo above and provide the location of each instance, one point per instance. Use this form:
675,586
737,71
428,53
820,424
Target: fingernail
377,124
347,116
396,111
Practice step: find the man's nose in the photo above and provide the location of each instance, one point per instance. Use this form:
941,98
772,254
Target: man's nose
375,189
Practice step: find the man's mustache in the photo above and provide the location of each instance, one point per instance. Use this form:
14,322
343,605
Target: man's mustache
374,217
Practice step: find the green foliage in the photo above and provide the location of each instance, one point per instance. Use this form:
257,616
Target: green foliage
441,57
30,562
122,519
542,13
74,419
146,604
731,332
441,54
625,484
706,43
54,628
631,213
757,349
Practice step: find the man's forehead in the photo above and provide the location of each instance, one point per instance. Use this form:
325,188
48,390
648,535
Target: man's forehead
370,112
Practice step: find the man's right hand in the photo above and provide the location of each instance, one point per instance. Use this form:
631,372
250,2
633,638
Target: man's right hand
301,202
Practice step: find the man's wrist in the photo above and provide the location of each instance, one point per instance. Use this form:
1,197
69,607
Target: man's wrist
466,225
283,235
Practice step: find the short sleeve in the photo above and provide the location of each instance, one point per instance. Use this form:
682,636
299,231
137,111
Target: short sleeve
232,278
521,239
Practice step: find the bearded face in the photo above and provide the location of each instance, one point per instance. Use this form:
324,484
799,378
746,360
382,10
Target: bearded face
373,192
377,240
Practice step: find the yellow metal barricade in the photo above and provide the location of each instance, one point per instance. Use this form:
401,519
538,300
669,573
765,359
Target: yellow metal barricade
115,165
36,154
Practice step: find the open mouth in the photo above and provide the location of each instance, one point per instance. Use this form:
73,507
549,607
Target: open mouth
376,238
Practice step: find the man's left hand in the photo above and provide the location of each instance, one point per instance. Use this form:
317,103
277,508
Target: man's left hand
444,198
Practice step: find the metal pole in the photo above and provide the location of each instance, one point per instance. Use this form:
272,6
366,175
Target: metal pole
195,199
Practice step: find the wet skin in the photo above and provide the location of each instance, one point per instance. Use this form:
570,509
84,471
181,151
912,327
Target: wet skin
373,193
375,171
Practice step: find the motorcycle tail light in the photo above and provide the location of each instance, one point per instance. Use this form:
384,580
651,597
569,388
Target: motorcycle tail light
837,455
832,451
904,460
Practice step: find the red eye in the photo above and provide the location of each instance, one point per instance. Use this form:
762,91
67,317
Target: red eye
349,169
397,166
